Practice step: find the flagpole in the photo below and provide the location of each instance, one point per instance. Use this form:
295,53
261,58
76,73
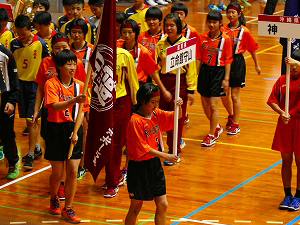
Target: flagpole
176,110
86,83
288,71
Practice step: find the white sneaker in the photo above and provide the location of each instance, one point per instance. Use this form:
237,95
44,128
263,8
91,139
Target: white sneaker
161,2
151,2
169,1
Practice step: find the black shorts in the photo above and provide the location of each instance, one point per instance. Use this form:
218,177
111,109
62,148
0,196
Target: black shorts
238,71
146,179
58,142
27,98
210,81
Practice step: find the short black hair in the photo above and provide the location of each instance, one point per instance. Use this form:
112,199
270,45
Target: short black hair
42,18
296,55
59,35
135,27
4,15
79,22
78,2
144,93
64,56
154,12
98,3
121,17
67,2
176,20
179,7
22,21
44,3
214,15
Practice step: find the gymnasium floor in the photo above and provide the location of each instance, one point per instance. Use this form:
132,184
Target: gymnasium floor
237,181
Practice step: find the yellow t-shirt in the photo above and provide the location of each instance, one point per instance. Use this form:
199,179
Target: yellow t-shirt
138,16
6,37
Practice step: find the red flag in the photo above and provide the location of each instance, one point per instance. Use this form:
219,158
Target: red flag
99,140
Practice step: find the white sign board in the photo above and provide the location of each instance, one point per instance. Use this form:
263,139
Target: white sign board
181,54
279,26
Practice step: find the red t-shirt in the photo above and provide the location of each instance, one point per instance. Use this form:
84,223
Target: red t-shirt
214,52
55,91
279,91
241,39
144,134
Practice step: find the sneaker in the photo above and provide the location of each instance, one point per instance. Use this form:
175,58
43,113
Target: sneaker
295,204
151,2
28,165
38,152
234,129
121,183
208,141
124,173
221,6
218,131
54,206
161,2
229,122
69,214
61,192
246,3
13,172
81,173
211,6
1,152
111,192
168,1
186,119
25,132
286,202
182,143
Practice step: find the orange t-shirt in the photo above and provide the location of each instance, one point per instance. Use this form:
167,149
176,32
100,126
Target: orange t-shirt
214,52
241,39
144,134
47,70
55,91
83,54
189,32
149,41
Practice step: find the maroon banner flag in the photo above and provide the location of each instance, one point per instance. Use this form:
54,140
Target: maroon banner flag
99,141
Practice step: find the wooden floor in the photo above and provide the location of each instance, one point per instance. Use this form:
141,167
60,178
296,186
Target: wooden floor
237,181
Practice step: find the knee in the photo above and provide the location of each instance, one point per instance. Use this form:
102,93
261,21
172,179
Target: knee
162,206
135,209
235,98
72,173
287,163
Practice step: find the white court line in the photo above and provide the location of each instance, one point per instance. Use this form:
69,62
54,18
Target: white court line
274,222
17,223
146,220
242,221
85,221
50,221
24,177
114,221
212,221
200,221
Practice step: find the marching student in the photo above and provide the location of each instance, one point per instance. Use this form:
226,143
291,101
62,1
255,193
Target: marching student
137,12
287,134
146,179
214,58
63,93
121,17
188,76
68,16
6,35
43,6
241,41
96,7
28,50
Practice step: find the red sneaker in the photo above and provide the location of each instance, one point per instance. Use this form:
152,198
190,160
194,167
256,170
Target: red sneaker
54,206
69,214
234,129
208,141
229,122
61,192
111,192
218,131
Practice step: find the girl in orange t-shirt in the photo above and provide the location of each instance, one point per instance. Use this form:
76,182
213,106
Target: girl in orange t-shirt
146,179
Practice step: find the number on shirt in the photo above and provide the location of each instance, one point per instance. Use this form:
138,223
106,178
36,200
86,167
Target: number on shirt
67,113
209,59
25,63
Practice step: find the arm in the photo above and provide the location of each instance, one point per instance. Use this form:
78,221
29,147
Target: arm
198,64
290,61
166,94
277,109
58,106
257,67
225,82
171,157
38,101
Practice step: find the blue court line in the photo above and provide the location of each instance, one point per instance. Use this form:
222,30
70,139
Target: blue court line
293,221
230,191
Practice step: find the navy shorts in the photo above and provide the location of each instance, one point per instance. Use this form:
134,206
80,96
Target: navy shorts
58,142
145,179
27,98
238,71
210,81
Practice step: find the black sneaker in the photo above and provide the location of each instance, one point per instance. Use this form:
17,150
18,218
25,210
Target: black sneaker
28,165
81,173
25,132
38,152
